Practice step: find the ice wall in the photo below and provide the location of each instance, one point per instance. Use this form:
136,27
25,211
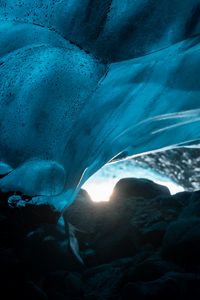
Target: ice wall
82,81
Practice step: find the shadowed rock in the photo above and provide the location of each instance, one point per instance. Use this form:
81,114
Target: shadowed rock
138,188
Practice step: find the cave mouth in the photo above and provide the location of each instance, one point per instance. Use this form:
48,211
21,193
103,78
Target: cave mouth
100,186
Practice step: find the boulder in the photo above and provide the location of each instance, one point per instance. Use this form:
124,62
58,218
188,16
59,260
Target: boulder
192,210
151,268
81,212
138,188
66,284
172,285
101,283
33,292
181,242
124,223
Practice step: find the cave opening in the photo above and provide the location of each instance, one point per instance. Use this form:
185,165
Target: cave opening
100,186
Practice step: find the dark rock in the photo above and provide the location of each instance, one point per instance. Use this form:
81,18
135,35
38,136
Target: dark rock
21,219
65,284
40,214
125,224
10,264
101,283
107,281
154,234
151,268
89,257
50,249
4,196
121,241
154,290
177,201
128,236
22,289
32,291
35,215
170,286
82,212
193,208
56,295
181,242
138,188
47,247
134,224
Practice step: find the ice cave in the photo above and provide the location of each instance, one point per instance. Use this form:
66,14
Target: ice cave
99,100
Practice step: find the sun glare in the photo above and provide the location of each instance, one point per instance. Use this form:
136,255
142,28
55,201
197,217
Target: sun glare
99,191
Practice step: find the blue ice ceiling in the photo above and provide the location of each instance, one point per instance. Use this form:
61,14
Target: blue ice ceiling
83,81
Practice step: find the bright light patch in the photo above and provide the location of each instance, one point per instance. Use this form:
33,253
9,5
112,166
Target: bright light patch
101,184
99,191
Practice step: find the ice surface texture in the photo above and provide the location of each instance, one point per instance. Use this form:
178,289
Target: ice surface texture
82,81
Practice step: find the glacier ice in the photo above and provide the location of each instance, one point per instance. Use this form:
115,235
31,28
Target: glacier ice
82,81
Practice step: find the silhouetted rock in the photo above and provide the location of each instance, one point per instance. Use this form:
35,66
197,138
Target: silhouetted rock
193,208
63,284
101,283
33,292
151,268
154,233
181,242
170,286
81,212
138,188
132,248
125,224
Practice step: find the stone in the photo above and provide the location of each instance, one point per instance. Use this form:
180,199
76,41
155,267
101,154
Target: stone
181,242
158,289
192,210
138,188
125,224
154,233
101,283
67,284
33,292
81,212
151,268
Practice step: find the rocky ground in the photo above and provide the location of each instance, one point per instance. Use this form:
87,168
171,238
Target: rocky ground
143,244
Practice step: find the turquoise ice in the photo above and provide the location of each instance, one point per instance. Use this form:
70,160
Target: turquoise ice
82,82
